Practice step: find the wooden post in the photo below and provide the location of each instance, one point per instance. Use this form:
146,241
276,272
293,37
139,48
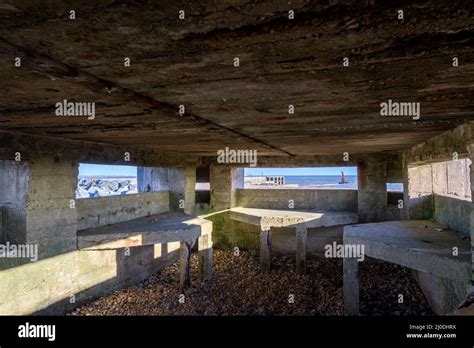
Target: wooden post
301,236
266,250
205,257
184,265
351,286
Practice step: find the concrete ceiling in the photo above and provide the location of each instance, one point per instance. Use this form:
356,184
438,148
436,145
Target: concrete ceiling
282,62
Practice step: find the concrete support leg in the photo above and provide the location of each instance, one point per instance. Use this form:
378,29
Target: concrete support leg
301,235
266,249
351,286
184,265
205,257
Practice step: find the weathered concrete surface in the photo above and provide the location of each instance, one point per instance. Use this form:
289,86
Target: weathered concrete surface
372,194
471,156
13,198
444,295
48,285
182,184
184,265
282,61
266,249
229,234
267,218
466,307
32,147
51,217
205,256
51,212
284,240
150,179
441,191
154,229
224,181
419,192
418,244
301,249
322,200
454,213
94,212
351,285
441,147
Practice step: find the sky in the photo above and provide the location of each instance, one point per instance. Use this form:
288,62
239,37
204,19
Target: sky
99,169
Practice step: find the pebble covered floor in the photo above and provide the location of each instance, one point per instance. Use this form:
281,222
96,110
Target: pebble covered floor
239,287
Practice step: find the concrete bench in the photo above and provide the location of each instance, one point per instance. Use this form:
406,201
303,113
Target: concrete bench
157,229
417,244
267,219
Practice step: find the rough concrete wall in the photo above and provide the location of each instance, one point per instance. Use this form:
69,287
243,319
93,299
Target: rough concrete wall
419,188
418,203
13,196
326,200
454,213
443,295
442,147
440,191
34,146
471,157
151,179
50,217
93,212
182,185
224,181
62,270
46,286
372,185
452,178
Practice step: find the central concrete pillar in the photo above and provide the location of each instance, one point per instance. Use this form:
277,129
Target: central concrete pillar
51,215
372,194
182,186
224,181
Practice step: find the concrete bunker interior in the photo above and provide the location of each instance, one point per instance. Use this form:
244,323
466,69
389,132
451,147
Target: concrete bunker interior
170,98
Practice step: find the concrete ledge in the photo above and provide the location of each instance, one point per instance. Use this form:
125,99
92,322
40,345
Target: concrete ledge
421,245
155,229
266,218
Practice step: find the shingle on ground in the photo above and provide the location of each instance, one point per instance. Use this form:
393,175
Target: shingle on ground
239,287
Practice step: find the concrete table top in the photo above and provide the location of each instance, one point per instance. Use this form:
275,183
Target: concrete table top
418,244
266,218
154,229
